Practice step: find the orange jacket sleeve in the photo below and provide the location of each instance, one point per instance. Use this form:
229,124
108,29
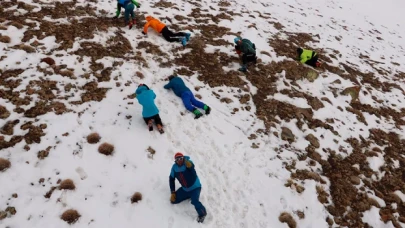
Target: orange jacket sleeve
145,27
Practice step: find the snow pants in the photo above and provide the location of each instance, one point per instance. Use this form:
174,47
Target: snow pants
312,61
190,102
194,195
155,118
171,36
129,11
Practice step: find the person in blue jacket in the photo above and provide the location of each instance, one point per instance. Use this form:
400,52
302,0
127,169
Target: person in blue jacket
189,101
146,97
129,6
184,171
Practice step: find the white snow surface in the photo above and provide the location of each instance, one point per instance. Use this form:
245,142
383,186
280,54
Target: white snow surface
241,186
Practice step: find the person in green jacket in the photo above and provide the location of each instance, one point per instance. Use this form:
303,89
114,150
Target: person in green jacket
129,6
308,57
247,49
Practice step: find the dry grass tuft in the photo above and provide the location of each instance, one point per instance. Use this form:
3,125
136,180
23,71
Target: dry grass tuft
151,152
93,138
106,149
136,197
5,39
67,185
285,217
4,164
70,216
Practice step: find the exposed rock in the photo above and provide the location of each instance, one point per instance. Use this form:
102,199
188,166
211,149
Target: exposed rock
352,91
313,140
286,134
355,180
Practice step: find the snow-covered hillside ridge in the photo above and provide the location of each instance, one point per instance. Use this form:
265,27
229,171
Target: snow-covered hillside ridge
285,145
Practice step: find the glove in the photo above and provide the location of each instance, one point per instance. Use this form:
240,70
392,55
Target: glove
173,197
139,5
238,52
143,33
188,164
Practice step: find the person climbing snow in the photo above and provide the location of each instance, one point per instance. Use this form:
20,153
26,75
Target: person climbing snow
183,170
150,112
308,57
189,101
160,27
129,6
247,49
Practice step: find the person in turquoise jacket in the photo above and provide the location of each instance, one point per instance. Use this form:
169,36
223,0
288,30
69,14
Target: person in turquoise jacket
247,50
146,97
183,170
129,6
308,57
189,101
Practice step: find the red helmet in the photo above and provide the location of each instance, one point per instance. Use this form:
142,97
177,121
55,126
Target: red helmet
178,154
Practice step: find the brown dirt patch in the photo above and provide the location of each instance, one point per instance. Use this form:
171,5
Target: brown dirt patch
70,216
93,138
8,127
67,184
4,164
106,149
4,113
285,217
5,39
136,197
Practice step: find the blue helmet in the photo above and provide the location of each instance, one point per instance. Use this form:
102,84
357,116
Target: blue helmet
236,39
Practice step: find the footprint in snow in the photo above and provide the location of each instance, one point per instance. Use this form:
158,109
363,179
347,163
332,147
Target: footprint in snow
170,222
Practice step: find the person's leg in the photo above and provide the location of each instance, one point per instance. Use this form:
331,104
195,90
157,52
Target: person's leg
179,34
147,119
157,119
126,14
312,61
149,122
196,102
169,36
195,200
186,97
181,195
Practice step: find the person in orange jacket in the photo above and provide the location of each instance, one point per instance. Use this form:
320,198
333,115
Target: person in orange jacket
160,27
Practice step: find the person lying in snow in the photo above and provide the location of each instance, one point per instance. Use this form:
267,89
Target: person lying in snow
247,49
183,170
159,27
150,112
189,101
308,57
128,5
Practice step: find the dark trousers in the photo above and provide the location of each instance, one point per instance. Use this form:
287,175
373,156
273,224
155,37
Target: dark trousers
194,195
312,61
247,58
156,118
172,37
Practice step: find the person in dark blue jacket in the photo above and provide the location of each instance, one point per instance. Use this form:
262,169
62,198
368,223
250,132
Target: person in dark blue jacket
184,171
189,101
146,97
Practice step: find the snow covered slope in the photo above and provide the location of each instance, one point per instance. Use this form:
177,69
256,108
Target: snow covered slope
280,149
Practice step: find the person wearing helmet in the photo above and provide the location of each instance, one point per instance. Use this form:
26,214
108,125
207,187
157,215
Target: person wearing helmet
247,50
183,170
